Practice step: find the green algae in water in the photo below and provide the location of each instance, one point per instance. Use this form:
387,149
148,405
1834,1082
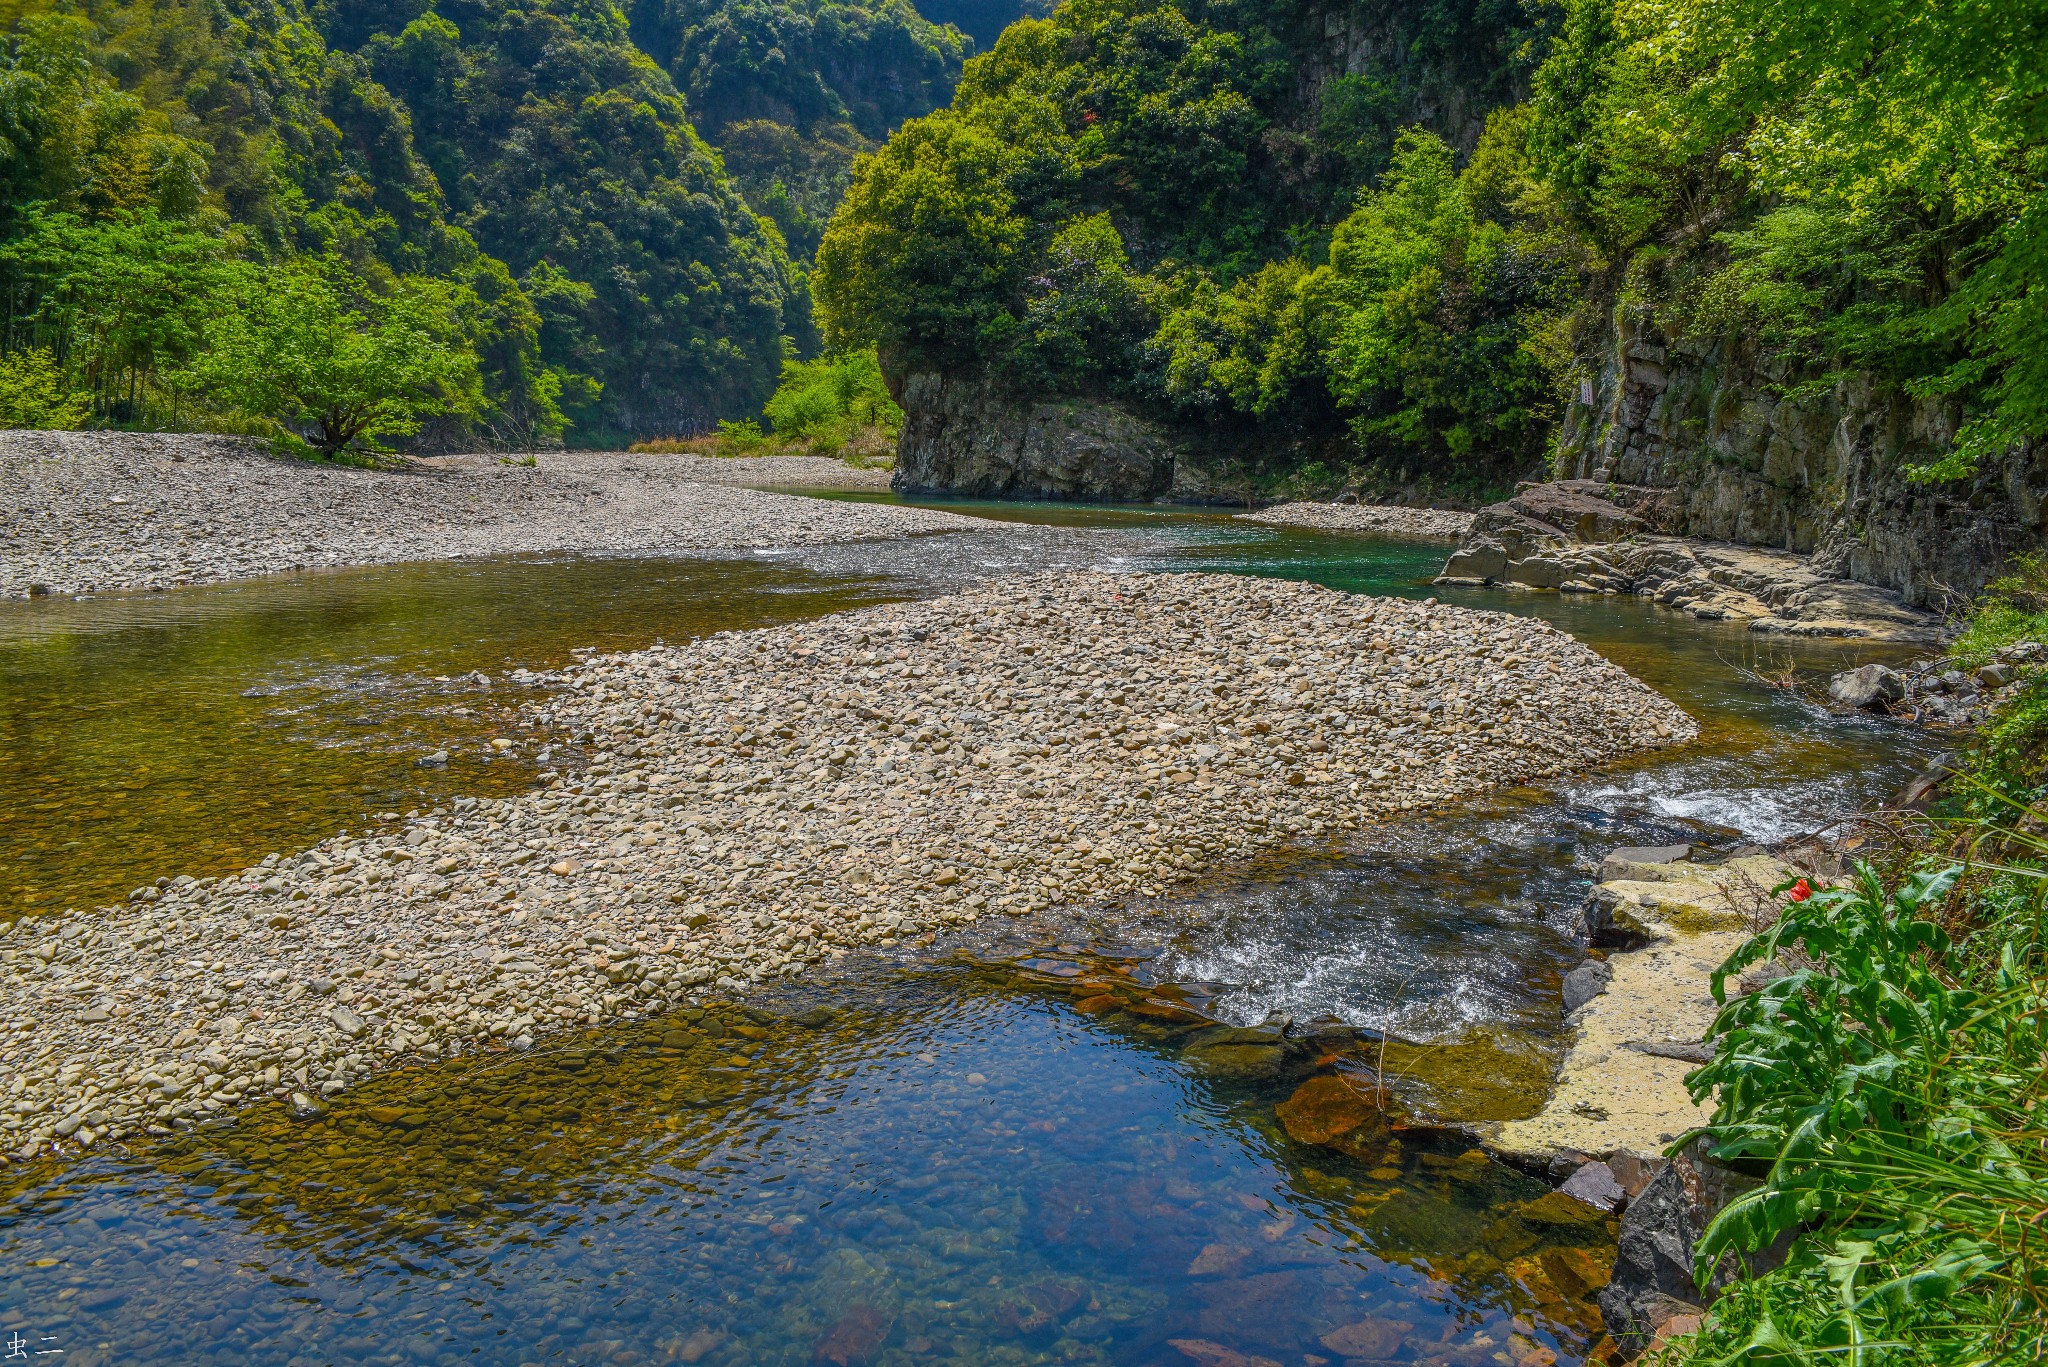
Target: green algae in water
951,1167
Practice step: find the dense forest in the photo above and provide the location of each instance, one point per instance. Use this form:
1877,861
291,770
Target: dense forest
1358,239
451,222
1197,210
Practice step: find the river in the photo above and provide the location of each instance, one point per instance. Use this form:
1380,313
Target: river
935,1155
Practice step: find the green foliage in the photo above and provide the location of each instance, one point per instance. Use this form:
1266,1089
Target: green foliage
301,346
1441,318
820,397
923,258
2013,608
1881,169
563,148
1132,199
113,302
33,393
1888,1083
791,91
593,254
1085,316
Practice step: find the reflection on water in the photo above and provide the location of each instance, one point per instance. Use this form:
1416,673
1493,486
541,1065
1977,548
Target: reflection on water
971,1172
194,732
1070,1162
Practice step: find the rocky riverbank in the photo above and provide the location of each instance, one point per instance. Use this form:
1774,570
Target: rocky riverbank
1429,524
1579,537
756,801
1664,924
96,511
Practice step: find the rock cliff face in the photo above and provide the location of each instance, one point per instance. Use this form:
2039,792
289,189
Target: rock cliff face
964,436
1817,475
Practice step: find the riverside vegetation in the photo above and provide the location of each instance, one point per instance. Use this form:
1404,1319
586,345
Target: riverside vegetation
505,220
1880,1070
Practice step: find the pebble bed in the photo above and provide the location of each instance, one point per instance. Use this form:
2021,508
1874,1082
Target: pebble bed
1436,524
758,800
90,512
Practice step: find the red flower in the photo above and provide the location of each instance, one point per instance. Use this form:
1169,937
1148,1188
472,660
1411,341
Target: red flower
1801,890
1089,117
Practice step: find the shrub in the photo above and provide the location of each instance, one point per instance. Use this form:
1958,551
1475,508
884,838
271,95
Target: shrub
33,393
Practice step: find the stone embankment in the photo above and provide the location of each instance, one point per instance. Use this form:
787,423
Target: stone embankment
759,800
1430,524
1581,537
96,511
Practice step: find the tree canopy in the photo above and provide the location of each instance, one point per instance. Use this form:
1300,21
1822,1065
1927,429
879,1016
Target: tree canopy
1330,257
598,259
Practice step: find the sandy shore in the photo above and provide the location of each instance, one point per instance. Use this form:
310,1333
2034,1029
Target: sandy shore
97,511
1434,524
759,800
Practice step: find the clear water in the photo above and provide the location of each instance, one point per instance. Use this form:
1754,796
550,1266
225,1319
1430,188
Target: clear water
967,1161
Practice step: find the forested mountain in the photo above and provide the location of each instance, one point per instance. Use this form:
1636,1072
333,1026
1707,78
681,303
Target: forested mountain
518,184
1377,240
1137,201
792,90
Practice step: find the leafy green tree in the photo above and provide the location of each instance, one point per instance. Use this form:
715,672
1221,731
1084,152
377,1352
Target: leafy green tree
33,393
301,347
1129,199
1442,331
116,302
820,395
1085,316
923,258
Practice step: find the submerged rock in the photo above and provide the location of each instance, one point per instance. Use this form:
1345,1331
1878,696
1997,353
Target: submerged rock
1335,1112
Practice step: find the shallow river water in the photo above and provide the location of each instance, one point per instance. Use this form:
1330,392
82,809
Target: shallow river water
992,1151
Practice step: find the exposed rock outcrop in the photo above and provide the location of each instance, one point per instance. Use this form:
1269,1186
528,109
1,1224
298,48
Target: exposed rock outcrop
965,436
1582,536
1667,927
1653,1295
1709,427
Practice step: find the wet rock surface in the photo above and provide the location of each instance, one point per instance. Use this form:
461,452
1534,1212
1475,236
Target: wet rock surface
1445,524
1638,1026
94,511
759,800
1652,1294
1940,691
1585,537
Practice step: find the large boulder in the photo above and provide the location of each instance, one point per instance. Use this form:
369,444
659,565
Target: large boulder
1653,1263
1873,688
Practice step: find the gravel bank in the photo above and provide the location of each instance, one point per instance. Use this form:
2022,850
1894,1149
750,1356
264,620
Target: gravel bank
762,472
758,799
95,511
1434,524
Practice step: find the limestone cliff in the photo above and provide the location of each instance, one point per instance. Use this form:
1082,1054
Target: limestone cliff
1823,475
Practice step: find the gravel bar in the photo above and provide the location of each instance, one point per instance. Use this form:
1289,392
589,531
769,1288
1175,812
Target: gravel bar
97,511
756,801
1431,524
